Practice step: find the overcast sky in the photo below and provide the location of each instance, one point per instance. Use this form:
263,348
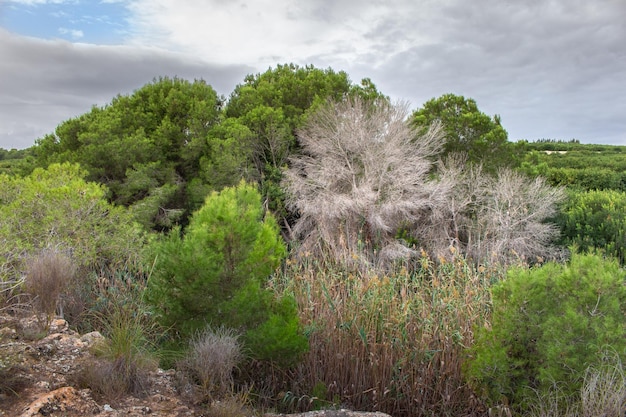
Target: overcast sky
550,68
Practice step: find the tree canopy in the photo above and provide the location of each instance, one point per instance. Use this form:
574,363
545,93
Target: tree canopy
467,130
144,147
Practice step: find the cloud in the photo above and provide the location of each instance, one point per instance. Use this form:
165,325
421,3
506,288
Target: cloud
46,82
550,68
74,33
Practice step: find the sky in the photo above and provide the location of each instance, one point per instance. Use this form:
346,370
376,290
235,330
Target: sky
552,69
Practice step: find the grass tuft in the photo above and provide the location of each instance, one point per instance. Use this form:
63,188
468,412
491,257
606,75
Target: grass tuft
212,356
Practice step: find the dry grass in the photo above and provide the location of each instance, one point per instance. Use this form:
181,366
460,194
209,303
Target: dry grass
47,276
210,361
391,343
124,358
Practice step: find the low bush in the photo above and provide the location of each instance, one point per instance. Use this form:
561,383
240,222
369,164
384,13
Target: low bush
603,393
216,274
549,324
124,357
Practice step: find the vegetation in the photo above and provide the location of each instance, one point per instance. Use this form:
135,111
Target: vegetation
595,220
144,147
549,324
391,342
467,130
312,245
47,277
214,275
362,176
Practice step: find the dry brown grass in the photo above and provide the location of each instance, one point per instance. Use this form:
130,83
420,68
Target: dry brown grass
392,343
47,276
210,361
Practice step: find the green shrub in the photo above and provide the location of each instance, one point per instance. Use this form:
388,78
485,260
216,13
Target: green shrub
215,274
549,324
595,219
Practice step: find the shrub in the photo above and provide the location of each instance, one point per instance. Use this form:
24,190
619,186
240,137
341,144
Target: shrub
215,274
124,357
548,325
595,219
603,393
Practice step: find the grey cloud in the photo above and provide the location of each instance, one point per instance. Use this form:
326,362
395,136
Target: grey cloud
46,82
551,69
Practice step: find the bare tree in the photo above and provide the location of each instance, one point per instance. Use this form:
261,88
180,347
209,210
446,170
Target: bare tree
363,174
445,232
510,222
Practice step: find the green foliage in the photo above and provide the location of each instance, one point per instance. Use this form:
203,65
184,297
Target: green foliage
595,219
56,208
580,166
548,325
273,105
139,143
215,273
467,130
17,161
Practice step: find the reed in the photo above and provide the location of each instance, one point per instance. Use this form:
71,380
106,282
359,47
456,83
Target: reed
391,342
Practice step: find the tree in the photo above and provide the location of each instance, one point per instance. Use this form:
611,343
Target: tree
502,218
362,176
145,147
56,208
273,105
467,130
214,274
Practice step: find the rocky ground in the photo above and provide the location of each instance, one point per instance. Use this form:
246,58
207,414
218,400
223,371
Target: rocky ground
43,364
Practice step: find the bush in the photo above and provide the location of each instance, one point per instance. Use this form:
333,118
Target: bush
549,324
124,357
595,219
216,272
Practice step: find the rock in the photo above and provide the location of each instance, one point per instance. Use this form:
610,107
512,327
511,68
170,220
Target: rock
66,400
90,339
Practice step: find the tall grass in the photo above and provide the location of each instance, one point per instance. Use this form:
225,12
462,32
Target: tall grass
47,276
390,342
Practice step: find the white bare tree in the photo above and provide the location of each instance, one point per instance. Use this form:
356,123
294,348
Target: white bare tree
363,174
510,223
